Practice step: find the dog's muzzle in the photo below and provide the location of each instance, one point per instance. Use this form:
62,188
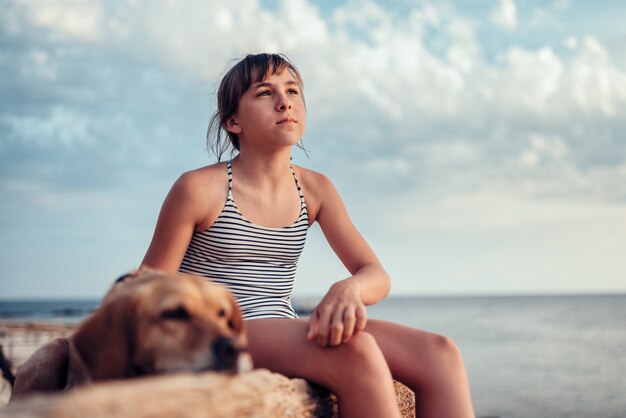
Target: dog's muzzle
226,352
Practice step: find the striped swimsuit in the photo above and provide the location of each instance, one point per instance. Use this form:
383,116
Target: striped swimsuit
256,263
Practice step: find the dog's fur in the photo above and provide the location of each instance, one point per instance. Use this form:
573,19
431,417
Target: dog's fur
148,323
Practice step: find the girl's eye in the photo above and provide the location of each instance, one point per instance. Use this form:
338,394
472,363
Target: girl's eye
263,93
293,91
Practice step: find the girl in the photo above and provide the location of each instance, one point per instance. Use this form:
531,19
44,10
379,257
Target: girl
251,244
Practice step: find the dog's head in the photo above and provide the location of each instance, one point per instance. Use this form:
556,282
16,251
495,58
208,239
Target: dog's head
154,322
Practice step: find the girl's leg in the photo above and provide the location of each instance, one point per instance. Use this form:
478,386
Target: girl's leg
356,371
430,364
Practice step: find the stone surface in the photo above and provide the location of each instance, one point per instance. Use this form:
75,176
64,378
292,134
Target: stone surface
258,394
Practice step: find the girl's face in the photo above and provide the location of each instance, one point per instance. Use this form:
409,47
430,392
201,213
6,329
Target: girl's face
271,113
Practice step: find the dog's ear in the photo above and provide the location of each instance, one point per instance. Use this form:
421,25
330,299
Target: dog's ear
105,340
44,371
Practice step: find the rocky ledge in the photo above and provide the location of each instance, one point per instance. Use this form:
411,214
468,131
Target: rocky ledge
258,394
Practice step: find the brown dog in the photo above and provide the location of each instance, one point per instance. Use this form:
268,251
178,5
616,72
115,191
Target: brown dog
148,323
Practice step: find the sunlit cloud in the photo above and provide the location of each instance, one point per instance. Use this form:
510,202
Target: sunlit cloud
505,15
407,100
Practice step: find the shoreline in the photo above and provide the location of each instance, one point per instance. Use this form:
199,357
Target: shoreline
20,339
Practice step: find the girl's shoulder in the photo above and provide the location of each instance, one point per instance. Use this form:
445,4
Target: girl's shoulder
202,186
201,177
313,181
202,192
315,187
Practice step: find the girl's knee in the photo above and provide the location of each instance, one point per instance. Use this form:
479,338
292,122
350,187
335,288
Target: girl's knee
443,361
359,360
437,360
362,344
445,348
366,382
363,349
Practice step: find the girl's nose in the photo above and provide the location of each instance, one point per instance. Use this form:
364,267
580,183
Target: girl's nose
282,103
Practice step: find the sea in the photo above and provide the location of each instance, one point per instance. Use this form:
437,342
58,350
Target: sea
526,356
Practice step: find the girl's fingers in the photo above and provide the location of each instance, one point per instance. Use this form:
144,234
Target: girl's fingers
323,325
336,327
349,322
312,326
331,325
361,318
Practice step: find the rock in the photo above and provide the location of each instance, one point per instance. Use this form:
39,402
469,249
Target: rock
258,394
255,394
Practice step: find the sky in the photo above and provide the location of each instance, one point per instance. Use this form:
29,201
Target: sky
478,145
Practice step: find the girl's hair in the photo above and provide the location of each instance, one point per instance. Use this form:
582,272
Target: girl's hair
252,69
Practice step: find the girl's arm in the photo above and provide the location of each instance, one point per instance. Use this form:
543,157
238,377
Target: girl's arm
180,213
341,312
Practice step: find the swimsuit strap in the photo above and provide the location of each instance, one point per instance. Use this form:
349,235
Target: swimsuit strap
302,202
230,179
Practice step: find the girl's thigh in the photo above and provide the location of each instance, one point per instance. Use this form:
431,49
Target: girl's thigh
281,345
355,371
413,355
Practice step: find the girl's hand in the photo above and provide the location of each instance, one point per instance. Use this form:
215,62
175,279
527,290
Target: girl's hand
339,315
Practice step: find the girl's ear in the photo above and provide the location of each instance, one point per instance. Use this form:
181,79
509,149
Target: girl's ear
232,126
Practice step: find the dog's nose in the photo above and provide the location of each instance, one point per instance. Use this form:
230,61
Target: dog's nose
226,352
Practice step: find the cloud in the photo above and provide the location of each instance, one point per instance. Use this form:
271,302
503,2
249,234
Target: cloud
598,83
73,18
489,211
541,147
505,15
404,114
429,130
62,127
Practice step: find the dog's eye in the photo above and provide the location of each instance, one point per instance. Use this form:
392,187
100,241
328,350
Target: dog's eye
179,314
221,313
